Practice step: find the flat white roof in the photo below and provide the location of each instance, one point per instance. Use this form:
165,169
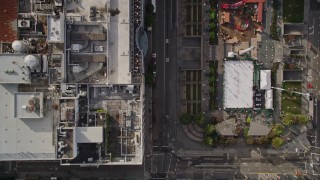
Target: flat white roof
265,79
56,29
28,105
119,44
23,139
238,83
269,99
89,134
13,69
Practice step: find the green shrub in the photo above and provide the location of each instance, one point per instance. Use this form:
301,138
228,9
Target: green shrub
186,119
277,142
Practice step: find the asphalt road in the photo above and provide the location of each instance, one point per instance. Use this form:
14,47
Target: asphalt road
165,92
166,87
47,169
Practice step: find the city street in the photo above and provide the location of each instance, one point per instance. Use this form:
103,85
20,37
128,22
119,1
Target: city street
165,90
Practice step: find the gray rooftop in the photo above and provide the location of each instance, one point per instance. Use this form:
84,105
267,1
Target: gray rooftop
13,69
119,44
23,139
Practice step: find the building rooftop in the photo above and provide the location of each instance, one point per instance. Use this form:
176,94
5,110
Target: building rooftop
265,79
8,20
23,139
56,29
89,134
119,44
238,84
13,69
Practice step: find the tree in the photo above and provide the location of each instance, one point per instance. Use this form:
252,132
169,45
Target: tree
149,19
114,12
302,119
211,90
149,8
277,142
212,35
263,140
278,129
199,119
287,119
249,119
185,119
208,140
209,129
149,78
212,26
245,131
212,15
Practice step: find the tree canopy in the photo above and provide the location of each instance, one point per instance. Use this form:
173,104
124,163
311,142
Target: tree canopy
277,142
287,119
208,140
278,129
199,119
185,119
209,129
149,8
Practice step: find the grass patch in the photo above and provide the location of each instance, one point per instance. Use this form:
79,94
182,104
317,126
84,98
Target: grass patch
199,75
291,102
212,85
188,75
194,91
194,108
188,93
199,91
293,11
188,30
199,13
194,75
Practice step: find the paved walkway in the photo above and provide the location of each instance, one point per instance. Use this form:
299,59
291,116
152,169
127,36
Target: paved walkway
193,132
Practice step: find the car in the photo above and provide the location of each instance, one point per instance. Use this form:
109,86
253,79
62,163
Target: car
154,55
258,99
258,105
258,95
167,60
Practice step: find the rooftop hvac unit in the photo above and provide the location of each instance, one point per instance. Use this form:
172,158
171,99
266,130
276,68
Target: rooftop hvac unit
23,23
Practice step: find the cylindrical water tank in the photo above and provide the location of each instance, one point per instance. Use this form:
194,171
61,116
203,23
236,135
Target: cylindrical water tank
31,61
19,46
